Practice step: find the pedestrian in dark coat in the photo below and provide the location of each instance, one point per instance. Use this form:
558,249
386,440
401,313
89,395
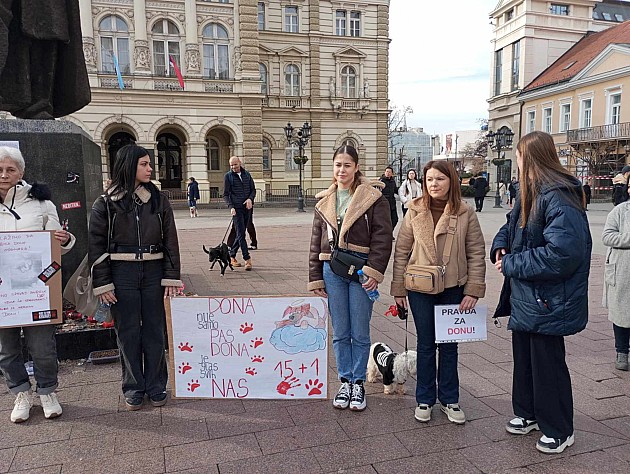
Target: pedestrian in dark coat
544,252
193,196
480,186
389,192
587,193
512,190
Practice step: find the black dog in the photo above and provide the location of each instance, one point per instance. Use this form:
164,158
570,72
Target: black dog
220,254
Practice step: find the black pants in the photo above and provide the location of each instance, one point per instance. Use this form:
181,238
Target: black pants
394,214
241,220
622,339
479,203
541,385
404,209
139,320
251,231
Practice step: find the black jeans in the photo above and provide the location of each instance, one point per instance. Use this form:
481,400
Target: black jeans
622,339
251,231
541,384
394,214
240,222
479,203
140,322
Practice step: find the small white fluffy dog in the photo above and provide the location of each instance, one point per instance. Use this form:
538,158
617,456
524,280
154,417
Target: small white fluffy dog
395,368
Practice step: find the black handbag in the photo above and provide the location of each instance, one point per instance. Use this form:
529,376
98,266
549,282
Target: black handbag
342,262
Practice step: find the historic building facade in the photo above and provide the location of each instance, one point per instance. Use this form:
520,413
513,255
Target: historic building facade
247,67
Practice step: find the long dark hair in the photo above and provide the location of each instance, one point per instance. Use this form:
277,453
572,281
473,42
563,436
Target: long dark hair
454,192
352,153
415,173
541,168
124,176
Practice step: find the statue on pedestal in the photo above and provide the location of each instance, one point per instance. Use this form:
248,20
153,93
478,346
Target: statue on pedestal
42,68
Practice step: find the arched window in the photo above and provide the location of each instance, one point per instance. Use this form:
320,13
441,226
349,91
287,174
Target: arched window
291,80
216,52
212,148
169,160
348,82
165,46
349,142
114,36
266,155
115,143
264,86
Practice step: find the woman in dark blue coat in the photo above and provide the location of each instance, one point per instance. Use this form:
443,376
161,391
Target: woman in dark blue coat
544,252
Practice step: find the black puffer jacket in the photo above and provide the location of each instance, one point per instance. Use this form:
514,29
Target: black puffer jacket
138,227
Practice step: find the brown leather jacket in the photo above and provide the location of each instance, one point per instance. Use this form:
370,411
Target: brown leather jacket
137,228
366,227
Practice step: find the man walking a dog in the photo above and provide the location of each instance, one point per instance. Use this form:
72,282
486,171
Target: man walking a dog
239,192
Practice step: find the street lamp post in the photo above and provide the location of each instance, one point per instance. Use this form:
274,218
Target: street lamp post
299,137
498,141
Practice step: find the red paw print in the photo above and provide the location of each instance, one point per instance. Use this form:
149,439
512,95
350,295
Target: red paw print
246,327
257,358
257,341
287,384
185,347
184,367
193,385
314,386
250,371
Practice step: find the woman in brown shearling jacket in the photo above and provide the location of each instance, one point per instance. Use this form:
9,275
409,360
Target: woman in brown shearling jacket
358,217
421,240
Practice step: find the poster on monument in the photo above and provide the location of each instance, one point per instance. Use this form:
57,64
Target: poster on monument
242,347
30,279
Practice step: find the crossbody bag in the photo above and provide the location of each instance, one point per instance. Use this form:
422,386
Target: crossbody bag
342,262
429,279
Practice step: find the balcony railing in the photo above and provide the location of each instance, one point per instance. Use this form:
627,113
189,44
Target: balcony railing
600,133
220,87
112,83
293,103
167,86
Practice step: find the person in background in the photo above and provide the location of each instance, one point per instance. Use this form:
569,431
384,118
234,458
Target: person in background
251,231
502,191
354,212
620,186
193,196
481,188
544,253
25,207
409,189
389,193
616,236
512,190
134,223
587,194
421,241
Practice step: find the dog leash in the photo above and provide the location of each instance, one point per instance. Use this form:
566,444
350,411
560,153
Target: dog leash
228,229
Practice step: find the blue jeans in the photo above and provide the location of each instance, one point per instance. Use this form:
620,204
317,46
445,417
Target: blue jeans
350,313
422,307
241,219
43,349
140,322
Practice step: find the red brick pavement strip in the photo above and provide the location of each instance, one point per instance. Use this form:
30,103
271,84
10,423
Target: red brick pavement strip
96,434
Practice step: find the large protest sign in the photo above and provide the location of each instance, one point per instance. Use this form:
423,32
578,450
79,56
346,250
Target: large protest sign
30,279
453,325
241,347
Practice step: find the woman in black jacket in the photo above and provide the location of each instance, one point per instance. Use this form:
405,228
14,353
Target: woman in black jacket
133,223
544,252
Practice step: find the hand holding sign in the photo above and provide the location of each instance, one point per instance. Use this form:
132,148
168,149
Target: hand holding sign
455,325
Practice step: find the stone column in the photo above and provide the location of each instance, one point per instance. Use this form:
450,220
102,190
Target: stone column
87,30
192,58
141,54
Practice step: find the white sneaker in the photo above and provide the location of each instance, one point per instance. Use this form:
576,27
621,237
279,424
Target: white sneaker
51,406
21,408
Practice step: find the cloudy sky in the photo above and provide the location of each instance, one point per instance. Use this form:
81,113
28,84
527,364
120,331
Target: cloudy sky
440,62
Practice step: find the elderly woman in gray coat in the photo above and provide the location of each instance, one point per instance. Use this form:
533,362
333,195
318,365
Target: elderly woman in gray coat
616,236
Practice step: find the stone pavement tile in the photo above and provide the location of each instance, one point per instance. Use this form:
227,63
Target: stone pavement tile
490,353
372,423
601,409
298,437
113,423
378,402
447,462
366,469
597,461
36,430
474,408
620,425
6,458
147,461
42,470
200,470
594,389
479,365
100,390
71,374
210,453
476,385
434,439
223,425
301,460
60,452
583,343
129,441
199,409
621,452
494,428
501,341
86,408
319,412
593,372
374,449
501,404
585,423
588,333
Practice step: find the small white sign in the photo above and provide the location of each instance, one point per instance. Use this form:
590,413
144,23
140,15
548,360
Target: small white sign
453,325
10,144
